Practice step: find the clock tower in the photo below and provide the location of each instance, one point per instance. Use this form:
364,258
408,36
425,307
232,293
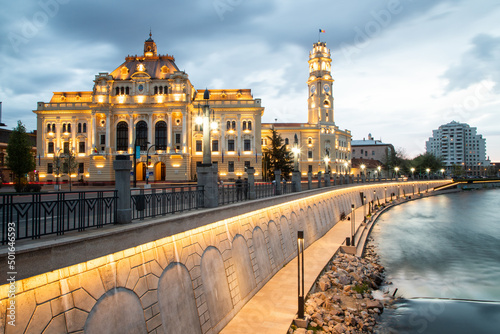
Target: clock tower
320,101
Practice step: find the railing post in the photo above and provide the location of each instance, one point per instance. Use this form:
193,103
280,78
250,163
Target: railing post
327,179
309,180
277,180
251,183
207,177
122,166
319,179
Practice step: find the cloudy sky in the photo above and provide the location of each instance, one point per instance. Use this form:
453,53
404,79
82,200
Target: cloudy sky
401,67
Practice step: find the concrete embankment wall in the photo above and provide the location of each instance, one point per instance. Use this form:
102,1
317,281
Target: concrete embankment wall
188,273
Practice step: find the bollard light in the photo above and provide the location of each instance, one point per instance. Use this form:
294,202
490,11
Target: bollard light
300,273
353,224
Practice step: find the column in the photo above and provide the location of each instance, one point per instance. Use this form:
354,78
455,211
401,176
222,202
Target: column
93,138
108,134
150,129
169,133
131,136
184,133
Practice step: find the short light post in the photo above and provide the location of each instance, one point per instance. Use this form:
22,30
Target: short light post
385,194
373,200
398,192
353,224
364,209
148,160
300,273
412,173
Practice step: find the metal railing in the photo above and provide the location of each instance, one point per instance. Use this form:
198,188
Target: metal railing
161,201
26,215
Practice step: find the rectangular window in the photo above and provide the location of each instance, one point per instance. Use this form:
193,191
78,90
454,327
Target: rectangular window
50,169
198,146
81,147
215,145
103,139
309,154
230,145
373,152
177,138
50,148
81,167
66,147
247,165
230,166
247,146
310,168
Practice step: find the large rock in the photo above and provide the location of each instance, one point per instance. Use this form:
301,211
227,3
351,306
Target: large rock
373,304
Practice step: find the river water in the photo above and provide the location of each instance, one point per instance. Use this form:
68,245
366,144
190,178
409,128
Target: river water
442,253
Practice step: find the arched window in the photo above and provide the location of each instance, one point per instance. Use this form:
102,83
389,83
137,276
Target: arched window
64,128
309,141
48,127
233,125
117,90
84,127
156,90
165,89
127,90
79,127
244,125
122,136
228,125
122,90
69,127
141,134
161,89
249,125
161,135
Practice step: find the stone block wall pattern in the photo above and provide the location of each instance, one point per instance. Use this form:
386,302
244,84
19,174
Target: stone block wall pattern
194,281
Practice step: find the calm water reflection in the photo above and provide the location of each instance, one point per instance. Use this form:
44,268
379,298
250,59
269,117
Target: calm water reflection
446,246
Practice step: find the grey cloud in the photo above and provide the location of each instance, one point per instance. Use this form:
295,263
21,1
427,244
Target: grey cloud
477,64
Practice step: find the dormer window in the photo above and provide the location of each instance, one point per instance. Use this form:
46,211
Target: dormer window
124,70
164,69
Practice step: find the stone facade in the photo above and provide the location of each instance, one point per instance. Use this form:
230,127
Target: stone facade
148,101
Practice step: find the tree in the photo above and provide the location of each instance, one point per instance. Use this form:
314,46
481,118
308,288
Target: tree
70,165
427,160
277,157
20,160
395,158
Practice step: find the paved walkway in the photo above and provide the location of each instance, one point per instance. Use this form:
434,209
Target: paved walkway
274,307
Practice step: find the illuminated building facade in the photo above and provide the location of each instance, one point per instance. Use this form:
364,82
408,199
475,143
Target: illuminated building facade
320,140
147,101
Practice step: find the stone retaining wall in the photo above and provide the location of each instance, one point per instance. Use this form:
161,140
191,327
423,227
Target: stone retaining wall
189,282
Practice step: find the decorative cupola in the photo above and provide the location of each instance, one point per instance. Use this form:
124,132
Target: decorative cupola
150,47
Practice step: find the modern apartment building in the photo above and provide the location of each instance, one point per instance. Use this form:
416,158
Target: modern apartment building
459,145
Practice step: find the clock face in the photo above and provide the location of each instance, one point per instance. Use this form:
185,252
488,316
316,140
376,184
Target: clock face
326,88
313,89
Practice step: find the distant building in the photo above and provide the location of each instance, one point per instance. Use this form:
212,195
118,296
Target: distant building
370,149
459,146
320,140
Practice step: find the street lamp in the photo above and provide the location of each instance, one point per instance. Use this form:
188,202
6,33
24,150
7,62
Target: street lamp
412,173
396,169
364,209
327,159
296,152
345,167
362,169
427,170
57,164
442,173
207,152
379,168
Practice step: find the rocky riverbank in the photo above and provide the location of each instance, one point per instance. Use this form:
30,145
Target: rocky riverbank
341,300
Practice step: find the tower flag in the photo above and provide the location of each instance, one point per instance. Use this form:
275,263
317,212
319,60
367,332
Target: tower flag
320,31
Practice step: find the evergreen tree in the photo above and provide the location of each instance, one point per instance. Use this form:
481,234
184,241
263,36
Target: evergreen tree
277,157
20,160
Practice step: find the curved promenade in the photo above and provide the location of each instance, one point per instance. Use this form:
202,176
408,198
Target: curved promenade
188,273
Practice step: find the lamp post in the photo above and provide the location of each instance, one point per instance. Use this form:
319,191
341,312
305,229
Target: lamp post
428,171
364,209
137,155
207,152
379,169
412,173
345,168
300,273
362,169
442,173
385,194
58,168
148,159
373,200
296,152
396,169
326,159
353,223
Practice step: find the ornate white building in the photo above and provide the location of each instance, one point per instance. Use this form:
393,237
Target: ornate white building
147,100
320,140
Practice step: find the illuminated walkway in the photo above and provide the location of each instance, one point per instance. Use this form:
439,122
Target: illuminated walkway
274,307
